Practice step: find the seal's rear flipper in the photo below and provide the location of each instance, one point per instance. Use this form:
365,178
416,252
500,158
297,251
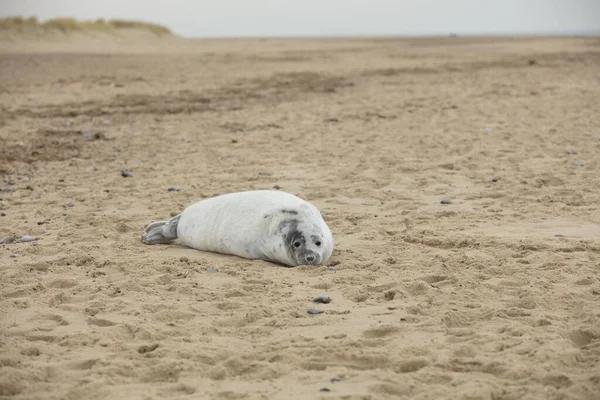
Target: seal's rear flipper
161,232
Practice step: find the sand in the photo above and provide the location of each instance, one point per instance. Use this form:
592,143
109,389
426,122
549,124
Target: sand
495,296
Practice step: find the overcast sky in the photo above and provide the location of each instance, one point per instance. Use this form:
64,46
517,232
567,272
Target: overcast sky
331,17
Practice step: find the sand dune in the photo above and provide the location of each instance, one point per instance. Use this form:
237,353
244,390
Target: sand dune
495,296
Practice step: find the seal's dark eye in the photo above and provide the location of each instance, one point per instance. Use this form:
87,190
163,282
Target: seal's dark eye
297,244
318,243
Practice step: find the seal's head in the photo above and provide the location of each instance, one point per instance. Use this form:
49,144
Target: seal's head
306,243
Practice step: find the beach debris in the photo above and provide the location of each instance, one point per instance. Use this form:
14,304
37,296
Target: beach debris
322,299
446,201
126,174
334,380
314,311
578,164
27,238
276,187
331,269
147,348
172,189
324,390
333,263
6,240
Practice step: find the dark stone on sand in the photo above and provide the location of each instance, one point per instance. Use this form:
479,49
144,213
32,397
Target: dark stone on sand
2,214
332,119
322,299
172,189
126,174
333,380
314,311
532,62
446,201
276,187
324,390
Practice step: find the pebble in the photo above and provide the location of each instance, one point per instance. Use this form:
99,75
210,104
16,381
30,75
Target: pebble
276,187
126,174
332,119
2,214
27,238
578,164
38,196
487,130
212,270
69,205
333,380
6,240
571,152
314,311
172,189
494,180
324,390
322,299
26,179
558,235
446,202
331,269
7,190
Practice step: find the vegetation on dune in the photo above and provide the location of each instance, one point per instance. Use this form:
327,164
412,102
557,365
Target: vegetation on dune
20,24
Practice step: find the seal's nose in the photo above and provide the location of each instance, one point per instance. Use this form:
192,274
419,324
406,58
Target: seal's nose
310,258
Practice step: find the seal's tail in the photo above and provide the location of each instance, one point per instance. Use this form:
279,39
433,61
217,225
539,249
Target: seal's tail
161,232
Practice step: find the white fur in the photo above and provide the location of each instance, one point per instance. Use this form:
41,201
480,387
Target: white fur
246,224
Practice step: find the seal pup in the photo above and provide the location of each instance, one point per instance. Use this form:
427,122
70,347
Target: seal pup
259,224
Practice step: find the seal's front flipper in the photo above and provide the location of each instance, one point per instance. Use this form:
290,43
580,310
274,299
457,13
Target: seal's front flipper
161,232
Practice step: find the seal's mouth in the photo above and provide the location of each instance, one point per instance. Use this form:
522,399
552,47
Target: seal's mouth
310,258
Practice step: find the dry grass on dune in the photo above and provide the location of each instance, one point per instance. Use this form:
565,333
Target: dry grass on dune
66,24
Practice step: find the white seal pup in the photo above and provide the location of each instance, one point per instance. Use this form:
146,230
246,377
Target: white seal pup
260,224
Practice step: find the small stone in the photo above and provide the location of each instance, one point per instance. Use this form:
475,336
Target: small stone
494,180
26,179
234,141
570,152
332,119
532,62
38,196
331,269
126,174
487,130
27,238
172,189
28,187
276,187
558,235
7,190
147,348
212,270
324,390
445,201
333,380
578,164
314,311
2,214
6,240
69,205
61,180
106,191
322,299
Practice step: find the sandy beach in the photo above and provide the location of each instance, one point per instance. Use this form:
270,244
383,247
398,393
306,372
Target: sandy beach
494,296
